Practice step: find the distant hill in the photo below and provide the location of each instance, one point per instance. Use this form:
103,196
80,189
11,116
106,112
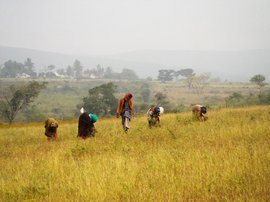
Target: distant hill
42,59
228,65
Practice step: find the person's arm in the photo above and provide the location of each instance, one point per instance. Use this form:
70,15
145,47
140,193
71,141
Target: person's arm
130,105
46,124
119,108
158,120
148,114
56,124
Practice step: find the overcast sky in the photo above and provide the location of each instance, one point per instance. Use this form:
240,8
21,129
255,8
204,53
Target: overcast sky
113,26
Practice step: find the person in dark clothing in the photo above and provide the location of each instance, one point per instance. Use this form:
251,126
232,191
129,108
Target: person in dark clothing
86,126
125,110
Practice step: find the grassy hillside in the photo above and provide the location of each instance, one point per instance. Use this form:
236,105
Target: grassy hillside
226,158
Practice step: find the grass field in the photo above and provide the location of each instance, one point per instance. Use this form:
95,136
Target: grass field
226,158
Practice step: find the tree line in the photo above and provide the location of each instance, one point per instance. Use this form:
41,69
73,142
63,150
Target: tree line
13,69
189,77
101,99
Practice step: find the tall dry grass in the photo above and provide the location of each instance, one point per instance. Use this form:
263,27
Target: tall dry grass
226,158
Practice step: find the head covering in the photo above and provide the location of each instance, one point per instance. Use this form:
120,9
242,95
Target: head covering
161,109
93,117
203,110
157,109
128,96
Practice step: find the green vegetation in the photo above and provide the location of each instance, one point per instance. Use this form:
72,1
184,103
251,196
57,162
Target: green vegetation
259,80
101,100
13,69
17,99
226,158
63,97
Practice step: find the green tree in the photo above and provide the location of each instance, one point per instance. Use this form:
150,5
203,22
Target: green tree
77,68
61,71
259,81
100,71
189,75
145,92
33,114
200,82
176,75
186,72
108,72
236,99
70,71
12,68
265,98
101,100
17,99
190,81
162,100
128,74
165,75
51,67
29,65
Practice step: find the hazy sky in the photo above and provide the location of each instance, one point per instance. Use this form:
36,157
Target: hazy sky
112,26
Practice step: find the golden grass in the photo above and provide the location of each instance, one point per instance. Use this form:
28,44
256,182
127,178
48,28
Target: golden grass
226,158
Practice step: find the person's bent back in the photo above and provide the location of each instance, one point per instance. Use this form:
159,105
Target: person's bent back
199,111
86,126
51,126
153,114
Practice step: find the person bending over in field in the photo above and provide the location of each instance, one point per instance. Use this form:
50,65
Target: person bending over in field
86,126
153,115
51,126
199,112
125,110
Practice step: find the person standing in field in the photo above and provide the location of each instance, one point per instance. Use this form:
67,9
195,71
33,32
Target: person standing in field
124,110
51,126
86,126
199,112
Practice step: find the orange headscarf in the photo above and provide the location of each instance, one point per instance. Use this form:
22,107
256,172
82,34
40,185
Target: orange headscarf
127,97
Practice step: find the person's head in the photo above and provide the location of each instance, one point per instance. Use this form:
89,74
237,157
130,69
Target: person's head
157,110
93,117
203,110
53,125
153,107
128,96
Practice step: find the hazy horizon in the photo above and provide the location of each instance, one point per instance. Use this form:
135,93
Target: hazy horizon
111,27
135,50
